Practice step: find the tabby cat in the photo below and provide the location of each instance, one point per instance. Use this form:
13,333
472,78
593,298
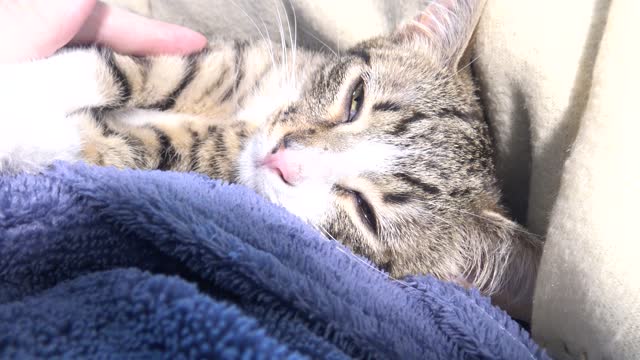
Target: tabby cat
383,148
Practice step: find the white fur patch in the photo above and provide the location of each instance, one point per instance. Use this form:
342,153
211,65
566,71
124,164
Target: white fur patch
37,96
141,117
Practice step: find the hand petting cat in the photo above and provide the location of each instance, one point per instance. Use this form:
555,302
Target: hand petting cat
33,29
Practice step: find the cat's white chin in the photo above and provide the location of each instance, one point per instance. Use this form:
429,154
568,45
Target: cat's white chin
308,200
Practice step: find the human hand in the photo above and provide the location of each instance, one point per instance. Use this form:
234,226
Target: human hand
33,29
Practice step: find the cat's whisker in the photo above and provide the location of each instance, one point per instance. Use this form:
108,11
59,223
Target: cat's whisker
270,48
442,220
462,68
255,25
293,60
347,252
269,41
340,248
295,38
294,46
266,38
321,42
488,219
283,40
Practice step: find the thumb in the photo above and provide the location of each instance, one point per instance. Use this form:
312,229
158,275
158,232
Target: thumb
32,29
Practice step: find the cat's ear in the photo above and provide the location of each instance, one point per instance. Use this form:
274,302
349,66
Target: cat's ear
445,27
506,262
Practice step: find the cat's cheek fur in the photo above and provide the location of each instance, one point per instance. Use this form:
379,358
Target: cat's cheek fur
311,198
36,128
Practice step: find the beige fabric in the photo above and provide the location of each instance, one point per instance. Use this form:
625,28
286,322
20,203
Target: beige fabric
563,74
560,82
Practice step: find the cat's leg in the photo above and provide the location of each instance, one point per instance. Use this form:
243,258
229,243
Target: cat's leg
37,125
36,98
213,82
151,139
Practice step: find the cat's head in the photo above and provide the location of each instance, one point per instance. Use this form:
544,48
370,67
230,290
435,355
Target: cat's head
387,151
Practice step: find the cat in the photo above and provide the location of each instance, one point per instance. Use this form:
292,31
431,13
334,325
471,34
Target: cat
384,148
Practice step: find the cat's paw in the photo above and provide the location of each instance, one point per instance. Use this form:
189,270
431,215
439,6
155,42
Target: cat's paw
32,143
38,97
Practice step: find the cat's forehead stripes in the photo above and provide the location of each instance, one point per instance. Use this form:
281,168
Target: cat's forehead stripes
398,198
362,54
335,72
241,56
386,105
413,182
329,76
402,125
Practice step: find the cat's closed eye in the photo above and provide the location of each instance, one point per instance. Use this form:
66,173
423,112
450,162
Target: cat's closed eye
362,207
365,211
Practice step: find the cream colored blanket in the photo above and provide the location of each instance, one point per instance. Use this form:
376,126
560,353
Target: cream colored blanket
560,81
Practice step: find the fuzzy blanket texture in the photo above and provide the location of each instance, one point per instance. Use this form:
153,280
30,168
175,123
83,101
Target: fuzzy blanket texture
134,264
559,81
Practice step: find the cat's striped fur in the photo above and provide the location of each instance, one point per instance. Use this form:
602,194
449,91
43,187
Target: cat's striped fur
408,181
175,113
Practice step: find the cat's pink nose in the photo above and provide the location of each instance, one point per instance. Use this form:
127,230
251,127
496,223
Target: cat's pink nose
283,164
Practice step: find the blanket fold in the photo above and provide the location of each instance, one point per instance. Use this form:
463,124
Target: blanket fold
146,263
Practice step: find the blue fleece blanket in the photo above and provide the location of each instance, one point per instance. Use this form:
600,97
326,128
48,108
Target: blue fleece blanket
134,264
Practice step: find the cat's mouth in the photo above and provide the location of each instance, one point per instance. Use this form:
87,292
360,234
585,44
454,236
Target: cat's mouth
278,172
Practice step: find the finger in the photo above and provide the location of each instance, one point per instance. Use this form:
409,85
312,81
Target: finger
31,29
133,34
